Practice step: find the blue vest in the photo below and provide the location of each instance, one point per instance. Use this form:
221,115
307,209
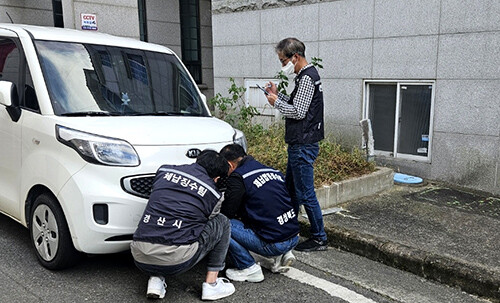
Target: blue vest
182,199
311,128
269,209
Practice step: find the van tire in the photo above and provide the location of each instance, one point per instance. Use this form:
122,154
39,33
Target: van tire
50,236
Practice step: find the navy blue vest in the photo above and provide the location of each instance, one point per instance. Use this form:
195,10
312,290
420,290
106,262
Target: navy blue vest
269,209
181,201
311,128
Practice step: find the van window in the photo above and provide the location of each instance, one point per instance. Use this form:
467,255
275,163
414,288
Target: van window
9,71
86,79
30,100
9,61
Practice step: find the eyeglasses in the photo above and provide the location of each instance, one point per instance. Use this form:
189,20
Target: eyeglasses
285,60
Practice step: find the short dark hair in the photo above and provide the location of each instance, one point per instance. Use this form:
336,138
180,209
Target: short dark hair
214,163
290,46
232,152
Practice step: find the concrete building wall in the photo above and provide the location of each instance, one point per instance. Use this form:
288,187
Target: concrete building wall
455,43
26,12
115,17
164,27
164,24
206,48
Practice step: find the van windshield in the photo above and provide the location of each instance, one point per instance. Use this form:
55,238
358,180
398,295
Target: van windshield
88,79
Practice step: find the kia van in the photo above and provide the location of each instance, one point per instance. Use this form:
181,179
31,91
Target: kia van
86,119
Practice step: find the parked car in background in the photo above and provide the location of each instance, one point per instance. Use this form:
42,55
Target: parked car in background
85,121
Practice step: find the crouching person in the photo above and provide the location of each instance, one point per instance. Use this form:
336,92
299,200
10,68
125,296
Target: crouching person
181,225
263,218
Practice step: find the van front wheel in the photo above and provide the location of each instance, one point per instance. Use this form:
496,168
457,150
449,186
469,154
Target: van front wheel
50,234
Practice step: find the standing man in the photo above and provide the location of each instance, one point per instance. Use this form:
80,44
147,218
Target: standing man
263,217
181,225
304,128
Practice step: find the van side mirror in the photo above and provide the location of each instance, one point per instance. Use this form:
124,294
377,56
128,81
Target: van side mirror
10,99
6,93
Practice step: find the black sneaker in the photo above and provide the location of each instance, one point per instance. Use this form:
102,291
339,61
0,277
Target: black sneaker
312,245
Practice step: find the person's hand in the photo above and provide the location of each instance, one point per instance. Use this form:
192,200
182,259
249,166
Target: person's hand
273,93
271,98
271,88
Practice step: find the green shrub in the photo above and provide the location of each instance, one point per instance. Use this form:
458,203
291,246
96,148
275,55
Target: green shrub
334,163
233,109
267,145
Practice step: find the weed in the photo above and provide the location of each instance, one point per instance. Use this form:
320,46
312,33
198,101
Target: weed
334,163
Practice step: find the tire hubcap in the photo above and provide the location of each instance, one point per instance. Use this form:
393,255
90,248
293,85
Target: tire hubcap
45,232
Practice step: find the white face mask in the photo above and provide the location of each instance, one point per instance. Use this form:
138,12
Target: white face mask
288,69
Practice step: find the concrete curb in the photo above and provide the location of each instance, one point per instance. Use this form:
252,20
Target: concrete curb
469,277
339,192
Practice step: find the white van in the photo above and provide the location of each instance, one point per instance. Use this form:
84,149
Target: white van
86,119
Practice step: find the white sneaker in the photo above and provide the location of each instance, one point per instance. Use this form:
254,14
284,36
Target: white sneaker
156,288
251,274
283,262
222,289
288,259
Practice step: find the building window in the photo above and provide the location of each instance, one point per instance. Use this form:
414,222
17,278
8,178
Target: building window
190,37
401,117
143,25
58,13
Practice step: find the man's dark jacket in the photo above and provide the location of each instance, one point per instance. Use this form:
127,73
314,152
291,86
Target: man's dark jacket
182,199
257,195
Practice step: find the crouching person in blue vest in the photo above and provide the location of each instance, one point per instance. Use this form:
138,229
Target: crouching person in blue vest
263,218
182,224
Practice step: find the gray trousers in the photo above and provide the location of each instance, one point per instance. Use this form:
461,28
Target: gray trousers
213,244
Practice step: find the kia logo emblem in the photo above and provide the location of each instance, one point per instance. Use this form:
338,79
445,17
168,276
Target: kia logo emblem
193,153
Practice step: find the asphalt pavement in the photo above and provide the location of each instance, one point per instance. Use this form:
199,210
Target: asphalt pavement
447,234
441,233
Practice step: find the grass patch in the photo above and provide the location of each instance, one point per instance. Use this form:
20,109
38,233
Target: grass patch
334,163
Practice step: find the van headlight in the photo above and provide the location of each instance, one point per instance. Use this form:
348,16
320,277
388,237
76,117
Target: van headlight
239,138
97,149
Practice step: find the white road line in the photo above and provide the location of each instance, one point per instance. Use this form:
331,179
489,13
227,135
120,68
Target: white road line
332,289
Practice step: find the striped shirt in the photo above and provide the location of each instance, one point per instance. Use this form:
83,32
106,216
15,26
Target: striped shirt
301,102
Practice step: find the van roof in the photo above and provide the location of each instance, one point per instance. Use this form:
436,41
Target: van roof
72,35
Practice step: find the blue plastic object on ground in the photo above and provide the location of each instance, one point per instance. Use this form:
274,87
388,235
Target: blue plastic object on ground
406,179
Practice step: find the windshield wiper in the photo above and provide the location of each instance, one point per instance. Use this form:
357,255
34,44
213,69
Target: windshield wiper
90,113
167,114
157,114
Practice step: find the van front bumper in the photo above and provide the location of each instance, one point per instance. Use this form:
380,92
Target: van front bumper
100,186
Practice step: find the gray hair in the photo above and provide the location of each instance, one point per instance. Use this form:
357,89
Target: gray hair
290,46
